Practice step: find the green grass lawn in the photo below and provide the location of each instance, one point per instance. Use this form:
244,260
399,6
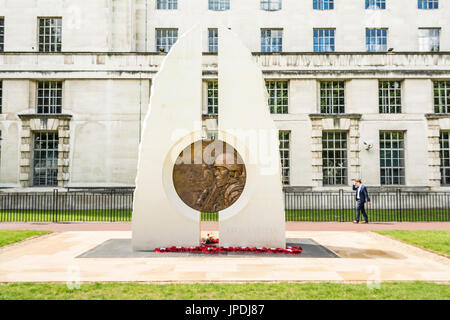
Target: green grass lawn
435,240
11,236
262,291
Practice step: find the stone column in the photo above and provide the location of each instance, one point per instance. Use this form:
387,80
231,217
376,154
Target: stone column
353,150
434,160
316,149
25,154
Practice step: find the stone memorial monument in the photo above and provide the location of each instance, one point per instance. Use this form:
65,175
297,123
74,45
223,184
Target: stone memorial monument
180,174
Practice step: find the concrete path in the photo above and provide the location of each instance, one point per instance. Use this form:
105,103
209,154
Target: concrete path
365,256
214,226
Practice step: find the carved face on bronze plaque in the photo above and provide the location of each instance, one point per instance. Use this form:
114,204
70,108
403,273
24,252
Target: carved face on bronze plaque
209,175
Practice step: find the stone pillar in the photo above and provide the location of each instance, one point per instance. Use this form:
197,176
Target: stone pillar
316,149
25,154
434,161
353,150
63,152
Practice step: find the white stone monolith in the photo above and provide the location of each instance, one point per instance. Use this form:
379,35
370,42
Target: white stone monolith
173,121
257,218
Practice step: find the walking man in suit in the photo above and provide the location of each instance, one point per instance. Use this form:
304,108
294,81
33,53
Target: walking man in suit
361,197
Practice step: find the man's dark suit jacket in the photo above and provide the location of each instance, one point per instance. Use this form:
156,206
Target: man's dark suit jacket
363,195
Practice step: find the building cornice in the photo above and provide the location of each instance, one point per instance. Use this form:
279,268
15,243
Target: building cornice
431,116
320,116
27,116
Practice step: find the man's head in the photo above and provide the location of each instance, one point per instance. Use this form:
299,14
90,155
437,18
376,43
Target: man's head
358,182
224,166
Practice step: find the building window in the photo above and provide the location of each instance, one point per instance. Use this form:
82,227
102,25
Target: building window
376,4
332,97
323,4
45,159
324,40
219,5
442,96
428,4
271,40
429,39
390,96
212,134
270,4
213,40
49,97
167,4
392,158
50,30
213,97
2,34
444,153
284,137
278,96
376,40
334,158
165,39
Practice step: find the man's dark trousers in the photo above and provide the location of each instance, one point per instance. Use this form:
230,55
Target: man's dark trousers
360,209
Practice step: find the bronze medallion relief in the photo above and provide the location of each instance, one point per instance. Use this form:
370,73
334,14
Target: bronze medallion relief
209,175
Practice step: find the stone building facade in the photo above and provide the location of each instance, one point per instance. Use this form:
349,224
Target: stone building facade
357,88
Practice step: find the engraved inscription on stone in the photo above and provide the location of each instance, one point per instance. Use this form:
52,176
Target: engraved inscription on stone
209,175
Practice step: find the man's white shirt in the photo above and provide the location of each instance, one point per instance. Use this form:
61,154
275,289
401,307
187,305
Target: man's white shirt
359,190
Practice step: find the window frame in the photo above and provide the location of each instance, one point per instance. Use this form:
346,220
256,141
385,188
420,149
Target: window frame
425,4
323,5
320,107
441,108
271,45
46,150
375,5
285,178
334,179
214,97
49,105
271,5
2,34
222,5
273,109
318,47
438,38
157,48
391,168
215,40
387,108
445,179
39,35
386,37
166,5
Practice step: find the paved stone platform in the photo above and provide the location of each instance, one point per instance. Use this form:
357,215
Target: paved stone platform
121,248
363,256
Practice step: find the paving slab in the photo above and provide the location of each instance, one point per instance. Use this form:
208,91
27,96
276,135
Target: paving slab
363,256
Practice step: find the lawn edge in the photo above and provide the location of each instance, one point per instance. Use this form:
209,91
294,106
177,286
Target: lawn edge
49,232
409,243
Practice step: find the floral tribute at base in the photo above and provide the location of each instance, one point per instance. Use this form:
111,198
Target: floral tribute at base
212,249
